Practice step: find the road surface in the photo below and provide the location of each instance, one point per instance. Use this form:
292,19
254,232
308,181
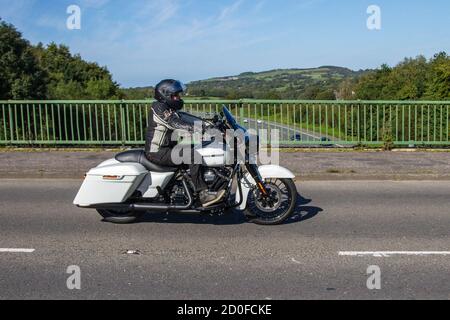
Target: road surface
195,257
291,134
286,133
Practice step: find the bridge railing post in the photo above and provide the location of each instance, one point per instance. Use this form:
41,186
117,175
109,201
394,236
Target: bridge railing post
123,122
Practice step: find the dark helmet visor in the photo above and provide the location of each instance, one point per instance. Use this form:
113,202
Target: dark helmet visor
180,87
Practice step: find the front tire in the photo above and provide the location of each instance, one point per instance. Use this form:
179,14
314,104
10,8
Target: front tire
119,216
285,191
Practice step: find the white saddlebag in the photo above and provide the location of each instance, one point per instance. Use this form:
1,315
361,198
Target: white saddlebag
113,183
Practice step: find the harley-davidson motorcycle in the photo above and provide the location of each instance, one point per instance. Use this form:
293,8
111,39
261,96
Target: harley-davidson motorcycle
124,188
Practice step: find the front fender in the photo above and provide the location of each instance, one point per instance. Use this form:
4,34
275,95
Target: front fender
266,172
273,171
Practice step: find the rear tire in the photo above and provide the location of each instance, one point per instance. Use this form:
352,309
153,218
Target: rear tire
119,217
255,216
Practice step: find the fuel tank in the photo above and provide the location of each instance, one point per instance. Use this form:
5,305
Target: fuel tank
216,154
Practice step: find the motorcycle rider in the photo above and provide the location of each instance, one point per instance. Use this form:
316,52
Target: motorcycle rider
163,120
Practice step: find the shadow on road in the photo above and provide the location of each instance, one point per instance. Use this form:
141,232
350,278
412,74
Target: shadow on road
301,213
232,218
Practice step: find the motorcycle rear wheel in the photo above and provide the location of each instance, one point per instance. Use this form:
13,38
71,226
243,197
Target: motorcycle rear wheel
285,191
119,217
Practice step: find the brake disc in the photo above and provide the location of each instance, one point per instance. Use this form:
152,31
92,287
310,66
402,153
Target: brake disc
272,203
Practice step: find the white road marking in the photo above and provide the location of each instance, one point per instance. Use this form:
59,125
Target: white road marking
392,253
13,250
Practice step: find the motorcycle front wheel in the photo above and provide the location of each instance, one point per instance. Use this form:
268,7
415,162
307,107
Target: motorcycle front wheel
119,216
278,208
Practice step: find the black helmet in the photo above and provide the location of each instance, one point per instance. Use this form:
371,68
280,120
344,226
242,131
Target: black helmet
167,91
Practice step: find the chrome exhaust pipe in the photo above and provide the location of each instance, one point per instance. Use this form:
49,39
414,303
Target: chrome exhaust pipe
147,206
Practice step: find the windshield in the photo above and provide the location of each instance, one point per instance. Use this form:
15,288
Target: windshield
231,120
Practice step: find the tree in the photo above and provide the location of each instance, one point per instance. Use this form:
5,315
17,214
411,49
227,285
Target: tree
438,80
70,77
21,77
411,79
371,85
327,94
102,89
52,72
346,90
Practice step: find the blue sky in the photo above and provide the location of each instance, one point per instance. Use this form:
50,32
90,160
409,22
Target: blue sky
142,42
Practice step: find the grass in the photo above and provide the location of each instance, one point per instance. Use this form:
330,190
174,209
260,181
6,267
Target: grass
324,130
335,171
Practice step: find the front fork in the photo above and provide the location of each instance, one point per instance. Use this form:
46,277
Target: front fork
253,170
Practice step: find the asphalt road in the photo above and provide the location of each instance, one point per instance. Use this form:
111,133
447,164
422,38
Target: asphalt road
286,133
195,257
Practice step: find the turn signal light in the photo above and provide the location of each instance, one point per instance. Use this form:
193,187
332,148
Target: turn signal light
113,178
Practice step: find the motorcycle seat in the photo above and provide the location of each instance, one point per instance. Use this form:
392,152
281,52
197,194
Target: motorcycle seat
138,156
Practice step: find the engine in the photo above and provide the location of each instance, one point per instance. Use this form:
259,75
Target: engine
178,194
216,178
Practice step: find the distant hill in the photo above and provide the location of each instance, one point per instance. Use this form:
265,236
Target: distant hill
314,83
138,93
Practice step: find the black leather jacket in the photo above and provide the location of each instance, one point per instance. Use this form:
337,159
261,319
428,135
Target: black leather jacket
162,122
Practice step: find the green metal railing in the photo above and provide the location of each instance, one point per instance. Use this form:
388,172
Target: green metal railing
297,122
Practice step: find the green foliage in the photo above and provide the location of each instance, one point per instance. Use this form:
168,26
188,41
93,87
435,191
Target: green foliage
52,72
325,95
388,139
311,84
138,93
102,88
412,79
345,90
438,80
70,77
21,77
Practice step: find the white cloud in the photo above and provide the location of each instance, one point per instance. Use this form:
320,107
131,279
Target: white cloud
168,11
137,48
227,11
93,3
259,6
157,11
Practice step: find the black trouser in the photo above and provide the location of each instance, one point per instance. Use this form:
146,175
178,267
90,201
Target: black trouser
164,158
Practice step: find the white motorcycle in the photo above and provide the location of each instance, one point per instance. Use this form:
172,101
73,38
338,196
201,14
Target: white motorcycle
124,188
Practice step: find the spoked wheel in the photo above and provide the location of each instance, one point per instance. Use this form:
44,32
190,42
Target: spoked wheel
276,208
119,216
